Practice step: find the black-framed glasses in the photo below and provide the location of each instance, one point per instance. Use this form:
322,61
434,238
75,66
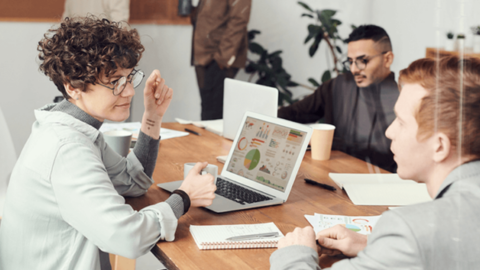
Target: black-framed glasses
135,78
361,63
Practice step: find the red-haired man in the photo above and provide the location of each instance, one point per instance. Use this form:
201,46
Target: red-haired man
434,141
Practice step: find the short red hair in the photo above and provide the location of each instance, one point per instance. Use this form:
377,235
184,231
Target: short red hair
452,105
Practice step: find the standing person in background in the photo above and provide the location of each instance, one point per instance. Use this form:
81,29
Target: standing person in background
113,10
219,49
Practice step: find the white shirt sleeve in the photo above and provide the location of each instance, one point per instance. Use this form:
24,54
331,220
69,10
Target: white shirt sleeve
88,201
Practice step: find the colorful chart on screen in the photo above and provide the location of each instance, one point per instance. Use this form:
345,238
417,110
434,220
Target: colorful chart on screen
242,144
251,159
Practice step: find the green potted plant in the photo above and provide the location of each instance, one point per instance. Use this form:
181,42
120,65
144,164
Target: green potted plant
450,42
324,28
269,69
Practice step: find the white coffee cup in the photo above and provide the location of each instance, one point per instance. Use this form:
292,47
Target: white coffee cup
211,169
118,140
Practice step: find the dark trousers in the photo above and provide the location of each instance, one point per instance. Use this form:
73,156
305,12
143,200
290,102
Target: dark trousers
210,81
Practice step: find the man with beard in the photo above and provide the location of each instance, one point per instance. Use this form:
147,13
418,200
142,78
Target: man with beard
359,103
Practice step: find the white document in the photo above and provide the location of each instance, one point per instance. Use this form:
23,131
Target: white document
387,194
380,189
360,224
214,126
367,178
134,127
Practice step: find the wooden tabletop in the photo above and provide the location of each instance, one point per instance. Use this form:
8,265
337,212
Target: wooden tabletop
304,199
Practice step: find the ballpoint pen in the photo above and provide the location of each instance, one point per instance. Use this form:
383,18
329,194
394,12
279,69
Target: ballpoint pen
193,132
252,236
328,187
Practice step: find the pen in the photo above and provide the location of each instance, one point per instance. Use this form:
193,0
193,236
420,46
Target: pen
193,132
311,182
252,236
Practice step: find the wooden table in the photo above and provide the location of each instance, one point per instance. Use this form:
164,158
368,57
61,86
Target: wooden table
303,199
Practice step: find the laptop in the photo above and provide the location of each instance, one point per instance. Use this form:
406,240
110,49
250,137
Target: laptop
239,97
262,164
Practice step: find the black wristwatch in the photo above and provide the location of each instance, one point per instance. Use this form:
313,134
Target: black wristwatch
185,198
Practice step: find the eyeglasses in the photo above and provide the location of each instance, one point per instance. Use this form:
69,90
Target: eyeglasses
135,78
361,63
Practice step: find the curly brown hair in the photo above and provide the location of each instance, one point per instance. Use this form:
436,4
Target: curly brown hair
82,49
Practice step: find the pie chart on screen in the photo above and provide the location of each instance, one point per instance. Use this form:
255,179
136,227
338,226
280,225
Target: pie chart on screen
251,159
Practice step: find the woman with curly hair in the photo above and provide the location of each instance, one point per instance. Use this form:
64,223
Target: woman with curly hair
65,207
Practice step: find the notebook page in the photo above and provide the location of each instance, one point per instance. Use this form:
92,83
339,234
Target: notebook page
341,179
391,194
219,233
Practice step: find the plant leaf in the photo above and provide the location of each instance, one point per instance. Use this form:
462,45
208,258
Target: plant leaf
313,82
274,54
305,6
292,84
252,33
250,68
314,29
339,50
329,13
336,22
326,76
256,48
307,15
313,49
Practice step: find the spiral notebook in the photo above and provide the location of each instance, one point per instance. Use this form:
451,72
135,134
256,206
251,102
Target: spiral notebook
216,236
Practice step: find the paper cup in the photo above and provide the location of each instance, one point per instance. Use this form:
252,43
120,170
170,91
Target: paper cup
321,141
118,140
211,169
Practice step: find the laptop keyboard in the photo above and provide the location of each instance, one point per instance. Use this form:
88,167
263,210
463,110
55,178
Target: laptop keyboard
238,193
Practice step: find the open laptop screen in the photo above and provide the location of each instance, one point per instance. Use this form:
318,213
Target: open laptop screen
266,153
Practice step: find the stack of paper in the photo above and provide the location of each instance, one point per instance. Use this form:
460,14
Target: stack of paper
360,224
260,235
381,189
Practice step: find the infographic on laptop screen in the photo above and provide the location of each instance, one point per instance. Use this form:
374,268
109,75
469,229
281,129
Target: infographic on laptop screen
266,153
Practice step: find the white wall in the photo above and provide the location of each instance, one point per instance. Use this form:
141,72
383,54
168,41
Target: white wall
412,25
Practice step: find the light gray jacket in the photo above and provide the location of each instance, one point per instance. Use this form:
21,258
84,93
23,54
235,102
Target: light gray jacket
442,234
65,202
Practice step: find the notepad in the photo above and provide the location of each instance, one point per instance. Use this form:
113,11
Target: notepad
381,189
214,236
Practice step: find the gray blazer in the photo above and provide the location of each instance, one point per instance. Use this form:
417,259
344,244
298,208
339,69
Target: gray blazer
441,234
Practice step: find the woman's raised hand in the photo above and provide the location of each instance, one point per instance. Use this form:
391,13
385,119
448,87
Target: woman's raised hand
157,95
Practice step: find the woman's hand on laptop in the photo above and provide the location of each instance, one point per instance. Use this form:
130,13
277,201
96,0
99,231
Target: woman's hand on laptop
200,188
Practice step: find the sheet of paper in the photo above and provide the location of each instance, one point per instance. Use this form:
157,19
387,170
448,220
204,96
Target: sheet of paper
391,194
314,222
134,127
367,178
360,224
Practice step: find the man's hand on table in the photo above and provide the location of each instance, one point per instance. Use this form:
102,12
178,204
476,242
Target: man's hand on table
200,188
333,241
299,236
340,240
